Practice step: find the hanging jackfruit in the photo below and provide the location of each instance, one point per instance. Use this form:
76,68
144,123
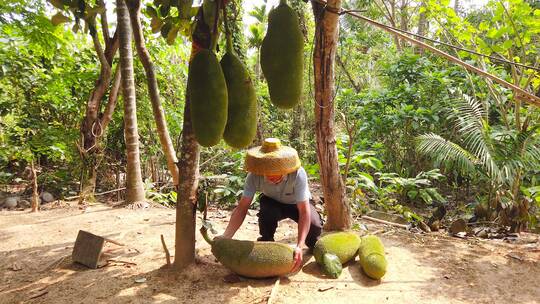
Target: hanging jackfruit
282,57
335,249
207,92
241,125
252,259
372,258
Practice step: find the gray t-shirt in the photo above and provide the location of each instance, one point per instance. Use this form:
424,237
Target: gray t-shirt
291,190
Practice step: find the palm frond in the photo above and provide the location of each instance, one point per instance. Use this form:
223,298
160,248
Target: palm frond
445,151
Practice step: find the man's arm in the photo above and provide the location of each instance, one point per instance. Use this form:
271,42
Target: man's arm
304,219
237,217
304,216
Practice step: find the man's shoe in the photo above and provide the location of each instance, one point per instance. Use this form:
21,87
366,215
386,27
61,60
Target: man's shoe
262,239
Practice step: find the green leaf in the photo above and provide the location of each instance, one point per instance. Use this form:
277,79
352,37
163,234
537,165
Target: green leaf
59,18
412,194
508,44
425,196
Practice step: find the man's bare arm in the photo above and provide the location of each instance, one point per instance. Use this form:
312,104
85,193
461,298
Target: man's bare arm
237,217
304,219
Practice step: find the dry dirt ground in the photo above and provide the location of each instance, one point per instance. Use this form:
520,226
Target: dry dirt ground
36,267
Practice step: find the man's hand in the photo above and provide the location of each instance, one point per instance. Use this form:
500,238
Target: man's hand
298,256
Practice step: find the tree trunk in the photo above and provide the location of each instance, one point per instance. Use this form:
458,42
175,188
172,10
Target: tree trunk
134,7
326,33
184,253
422,25
91,128
134,184
35,196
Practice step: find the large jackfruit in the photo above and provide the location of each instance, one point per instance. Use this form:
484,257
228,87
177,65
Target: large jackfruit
252,259
335,249
207,93
372,258
241,125
282,57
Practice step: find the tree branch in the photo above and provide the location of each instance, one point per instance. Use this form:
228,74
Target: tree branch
113,98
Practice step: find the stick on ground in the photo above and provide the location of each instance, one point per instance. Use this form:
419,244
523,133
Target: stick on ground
167,254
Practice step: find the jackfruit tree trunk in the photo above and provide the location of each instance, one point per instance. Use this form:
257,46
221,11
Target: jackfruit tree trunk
134,184
326,33
134,7
184,253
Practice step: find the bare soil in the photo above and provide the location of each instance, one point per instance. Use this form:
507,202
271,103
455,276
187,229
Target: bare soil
36,266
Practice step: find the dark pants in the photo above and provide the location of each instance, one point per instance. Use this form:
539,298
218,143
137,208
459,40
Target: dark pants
272,211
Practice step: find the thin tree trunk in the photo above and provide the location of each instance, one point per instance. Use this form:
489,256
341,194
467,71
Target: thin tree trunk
422,25
326,33
134,7
35,195
113,99
134,184
356,87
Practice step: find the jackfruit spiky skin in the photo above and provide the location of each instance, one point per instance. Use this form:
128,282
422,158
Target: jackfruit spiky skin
282,57
372,257
343,244
208,97
254,259
331,265
241,125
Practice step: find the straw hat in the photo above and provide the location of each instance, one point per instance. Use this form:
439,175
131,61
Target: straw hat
272,159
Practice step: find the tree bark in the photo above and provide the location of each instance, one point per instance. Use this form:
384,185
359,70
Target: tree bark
326,33
90,125
134,184
134,7
113,98
35,195
184,253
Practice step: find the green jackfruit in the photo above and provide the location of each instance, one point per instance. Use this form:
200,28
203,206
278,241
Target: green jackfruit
282,57
372,258
241,125
207,92
252,259
343,245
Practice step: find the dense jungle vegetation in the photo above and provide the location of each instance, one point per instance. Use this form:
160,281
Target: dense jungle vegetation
414,131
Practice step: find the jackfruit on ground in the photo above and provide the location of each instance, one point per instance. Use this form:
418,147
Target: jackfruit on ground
207,92
253,259
282,57
343,245
241,125
372,257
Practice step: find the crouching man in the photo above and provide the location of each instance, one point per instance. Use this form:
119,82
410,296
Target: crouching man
275,171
